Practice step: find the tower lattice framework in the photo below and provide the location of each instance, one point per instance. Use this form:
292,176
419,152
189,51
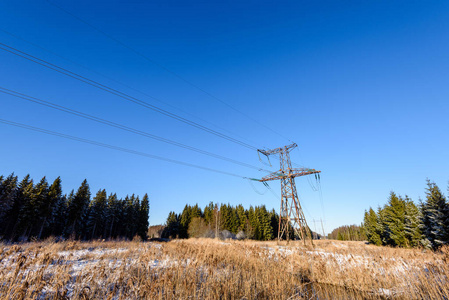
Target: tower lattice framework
291,213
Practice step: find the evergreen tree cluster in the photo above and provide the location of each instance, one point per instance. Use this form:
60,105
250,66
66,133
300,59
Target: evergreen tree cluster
402,223
348,233
255,223
39,210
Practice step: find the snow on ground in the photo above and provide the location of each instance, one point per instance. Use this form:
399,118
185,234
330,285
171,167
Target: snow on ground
80,263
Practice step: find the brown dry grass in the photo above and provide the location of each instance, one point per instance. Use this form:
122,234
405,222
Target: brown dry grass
210,269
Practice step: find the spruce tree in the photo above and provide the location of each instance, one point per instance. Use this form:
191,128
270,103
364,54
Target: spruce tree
265,221
413,223
233,220
394,213
372,227
209,214
26,213
242,217
8,187
54,197
274,221
144,214
77,209
59,217
132,207
434,212
172,226
184,222
136,216
382,228
97,215
253,228
9,204
41,205
225,217
195,212
112,216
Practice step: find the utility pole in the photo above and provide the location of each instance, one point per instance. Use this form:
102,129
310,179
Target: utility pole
217,221
291,213
322,227
315,233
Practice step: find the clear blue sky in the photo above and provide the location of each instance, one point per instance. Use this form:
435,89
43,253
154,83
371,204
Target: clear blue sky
361,86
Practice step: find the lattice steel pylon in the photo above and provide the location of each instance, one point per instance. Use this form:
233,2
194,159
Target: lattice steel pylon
291,213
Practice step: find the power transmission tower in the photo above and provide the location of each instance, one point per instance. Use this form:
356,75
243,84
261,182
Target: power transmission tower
291,213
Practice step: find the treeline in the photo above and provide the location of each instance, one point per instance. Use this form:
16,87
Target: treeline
31,210
223,220
348,233
402,223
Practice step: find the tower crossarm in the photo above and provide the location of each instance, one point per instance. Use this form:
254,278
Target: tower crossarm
277,150
291,174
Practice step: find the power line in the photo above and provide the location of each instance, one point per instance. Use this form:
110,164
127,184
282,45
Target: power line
70,137
122,127
121,94
168,70
125,85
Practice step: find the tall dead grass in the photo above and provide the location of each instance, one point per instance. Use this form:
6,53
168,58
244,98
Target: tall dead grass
211,269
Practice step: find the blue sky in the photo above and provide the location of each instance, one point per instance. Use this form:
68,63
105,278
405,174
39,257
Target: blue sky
360,86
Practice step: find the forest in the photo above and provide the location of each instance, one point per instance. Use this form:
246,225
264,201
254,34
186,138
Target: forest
223,221
402,223
34,211
348,233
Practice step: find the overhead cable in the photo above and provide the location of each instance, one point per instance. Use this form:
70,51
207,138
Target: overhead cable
121,94
168,70
122,127
74,138
126,85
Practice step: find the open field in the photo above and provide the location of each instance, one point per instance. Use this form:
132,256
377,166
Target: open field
212,269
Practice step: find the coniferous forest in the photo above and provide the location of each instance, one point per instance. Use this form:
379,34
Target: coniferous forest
224,221
402,223
37,210
348,233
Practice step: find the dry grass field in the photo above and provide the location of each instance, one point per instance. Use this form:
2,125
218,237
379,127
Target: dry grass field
212,269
